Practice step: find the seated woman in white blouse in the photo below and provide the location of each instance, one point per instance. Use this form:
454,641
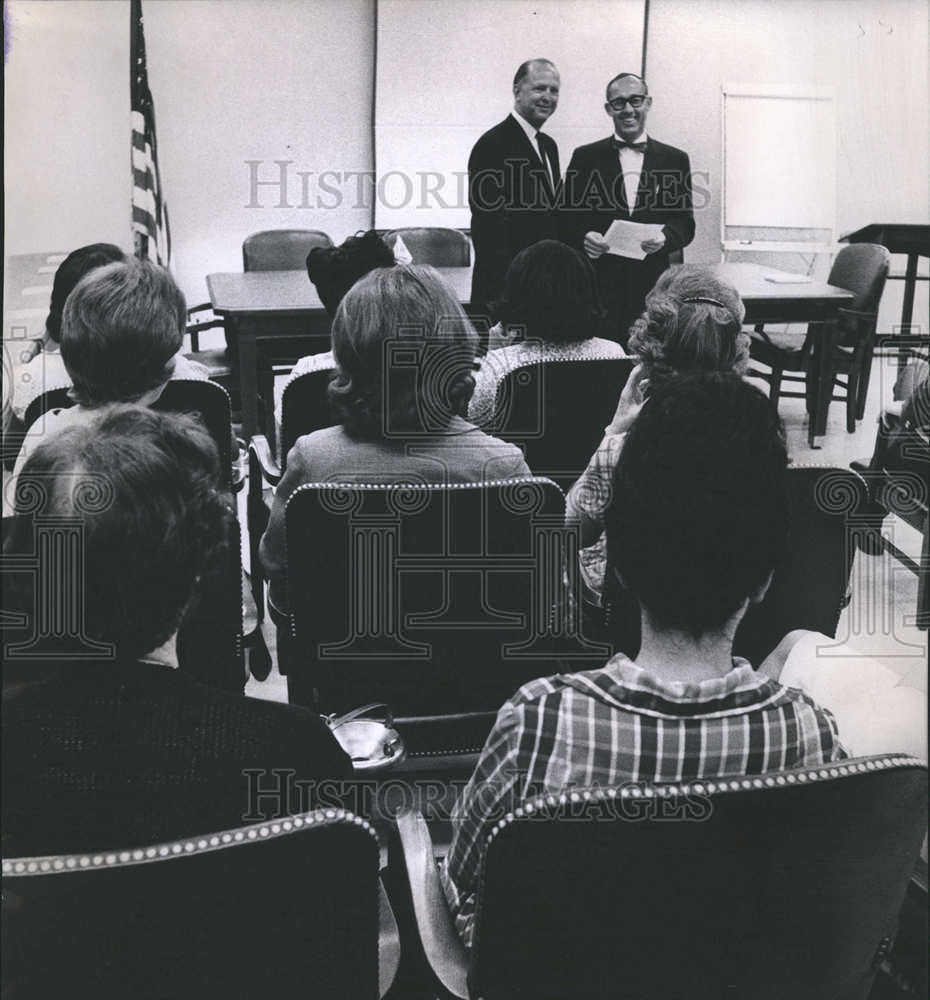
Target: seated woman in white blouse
548,311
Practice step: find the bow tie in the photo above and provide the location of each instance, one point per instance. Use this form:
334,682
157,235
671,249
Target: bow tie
619,144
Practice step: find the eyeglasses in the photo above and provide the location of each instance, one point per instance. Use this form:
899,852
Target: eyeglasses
636,101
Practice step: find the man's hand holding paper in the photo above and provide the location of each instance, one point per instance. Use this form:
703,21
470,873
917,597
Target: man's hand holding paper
633,239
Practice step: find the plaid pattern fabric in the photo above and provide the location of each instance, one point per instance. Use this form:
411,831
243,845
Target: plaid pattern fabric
621,724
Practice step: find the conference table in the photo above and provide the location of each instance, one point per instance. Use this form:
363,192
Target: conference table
250,303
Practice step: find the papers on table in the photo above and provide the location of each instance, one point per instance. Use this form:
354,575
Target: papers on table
783,278
625,238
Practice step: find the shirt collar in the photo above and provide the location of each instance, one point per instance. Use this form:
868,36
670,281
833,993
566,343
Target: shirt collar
621,683
527,128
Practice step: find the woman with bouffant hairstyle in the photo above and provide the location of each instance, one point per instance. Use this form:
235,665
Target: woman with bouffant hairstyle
692,324
404,352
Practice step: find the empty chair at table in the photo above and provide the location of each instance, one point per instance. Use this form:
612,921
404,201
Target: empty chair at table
862,269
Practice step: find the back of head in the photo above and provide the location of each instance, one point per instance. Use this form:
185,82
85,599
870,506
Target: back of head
122,326
404,352
70,271
692,323
143,488
551,290
699,514
334,270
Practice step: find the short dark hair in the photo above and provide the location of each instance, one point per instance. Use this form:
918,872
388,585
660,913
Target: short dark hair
551,290
121,328
372,392
334,270
699,516
523,69
623,76
145,486
70,271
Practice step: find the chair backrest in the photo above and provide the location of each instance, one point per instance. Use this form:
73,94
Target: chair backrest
434,245
289,908
206,400
210,636
304,408
436,599
861,268
281,249
784,885
557,410
51,399
810,587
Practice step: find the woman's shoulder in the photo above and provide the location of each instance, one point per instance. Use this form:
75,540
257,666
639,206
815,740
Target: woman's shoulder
605,348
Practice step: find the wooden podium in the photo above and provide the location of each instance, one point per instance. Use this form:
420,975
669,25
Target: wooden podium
906,238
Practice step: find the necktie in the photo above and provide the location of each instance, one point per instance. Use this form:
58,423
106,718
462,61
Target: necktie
542,156
619,144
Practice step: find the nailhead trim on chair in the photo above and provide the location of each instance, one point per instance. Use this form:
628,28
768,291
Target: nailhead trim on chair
715,786
64,863
385,487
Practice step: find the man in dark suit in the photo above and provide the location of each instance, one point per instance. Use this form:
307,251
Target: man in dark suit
633,177
513,182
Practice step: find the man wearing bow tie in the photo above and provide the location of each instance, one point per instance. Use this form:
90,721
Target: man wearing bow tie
633,177
514,182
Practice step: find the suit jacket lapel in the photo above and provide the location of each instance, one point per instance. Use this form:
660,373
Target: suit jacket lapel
613,176
645,176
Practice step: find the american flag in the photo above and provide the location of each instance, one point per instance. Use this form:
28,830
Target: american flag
151,234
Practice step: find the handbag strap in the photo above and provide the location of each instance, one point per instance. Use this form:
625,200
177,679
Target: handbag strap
334,721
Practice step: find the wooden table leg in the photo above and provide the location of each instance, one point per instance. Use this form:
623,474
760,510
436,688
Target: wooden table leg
248,377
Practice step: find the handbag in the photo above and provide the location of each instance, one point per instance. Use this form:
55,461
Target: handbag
373,744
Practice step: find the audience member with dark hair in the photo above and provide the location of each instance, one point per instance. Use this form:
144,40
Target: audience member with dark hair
45,370
121,331
333,271
693,323
696,525
404,352
549,310
116,747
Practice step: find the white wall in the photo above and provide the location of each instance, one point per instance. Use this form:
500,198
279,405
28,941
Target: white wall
293,80
445,76
232,81
873,55
66,125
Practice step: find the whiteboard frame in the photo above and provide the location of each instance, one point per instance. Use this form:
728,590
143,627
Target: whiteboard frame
785,91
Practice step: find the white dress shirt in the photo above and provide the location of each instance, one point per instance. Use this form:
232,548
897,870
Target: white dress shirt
631,166
531,134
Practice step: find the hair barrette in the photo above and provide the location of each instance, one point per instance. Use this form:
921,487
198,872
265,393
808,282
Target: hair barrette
705,298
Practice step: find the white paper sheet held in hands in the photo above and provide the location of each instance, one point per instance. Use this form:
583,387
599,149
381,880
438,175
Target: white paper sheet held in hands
625,238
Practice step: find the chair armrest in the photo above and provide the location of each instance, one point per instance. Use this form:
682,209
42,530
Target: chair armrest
261,460
442,946
388,943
